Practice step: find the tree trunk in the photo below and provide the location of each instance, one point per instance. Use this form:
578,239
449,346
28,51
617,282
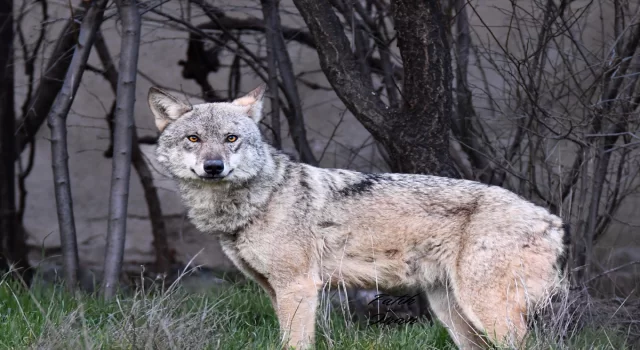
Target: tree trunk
165,256
285,67
13,247
8,222
269,12
415,135
421,142
122,144
57,119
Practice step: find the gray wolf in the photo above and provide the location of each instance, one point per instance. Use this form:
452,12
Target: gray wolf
484,256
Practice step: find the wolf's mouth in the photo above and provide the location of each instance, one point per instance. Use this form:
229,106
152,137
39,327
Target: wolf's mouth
212,178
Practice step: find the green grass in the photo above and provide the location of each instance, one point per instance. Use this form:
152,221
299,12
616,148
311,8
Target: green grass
236,317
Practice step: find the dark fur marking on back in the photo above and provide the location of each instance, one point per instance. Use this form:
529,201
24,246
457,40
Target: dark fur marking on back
325,224
303,180
305,198
363,186
465,210
330,182
391,253
286,172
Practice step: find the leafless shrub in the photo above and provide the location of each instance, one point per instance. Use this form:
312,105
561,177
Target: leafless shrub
557,120
572,314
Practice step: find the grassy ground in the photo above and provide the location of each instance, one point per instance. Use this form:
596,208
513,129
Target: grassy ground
236,317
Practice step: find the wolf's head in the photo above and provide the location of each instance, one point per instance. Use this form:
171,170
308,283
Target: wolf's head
211,142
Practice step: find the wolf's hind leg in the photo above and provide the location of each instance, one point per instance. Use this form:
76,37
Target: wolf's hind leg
296,309
500,308
447,310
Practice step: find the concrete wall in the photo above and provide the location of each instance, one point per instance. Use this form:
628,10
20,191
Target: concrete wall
162,47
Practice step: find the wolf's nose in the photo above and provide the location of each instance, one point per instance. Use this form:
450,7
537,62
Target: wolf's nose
214,167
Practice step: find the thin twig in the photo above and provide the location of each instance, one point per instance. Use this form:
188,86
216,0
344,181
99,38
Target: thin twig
611,271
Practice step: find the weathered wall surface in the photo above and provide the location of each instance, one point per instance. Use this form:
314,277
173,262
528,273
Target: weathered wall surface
161,49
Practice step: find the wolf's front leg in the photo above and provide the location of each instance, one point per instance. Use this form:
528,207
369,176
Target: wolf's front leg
297,301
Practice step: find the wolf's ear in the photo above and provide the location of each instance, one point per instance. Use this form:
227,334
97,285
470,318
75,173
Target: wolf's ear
165,107
253,100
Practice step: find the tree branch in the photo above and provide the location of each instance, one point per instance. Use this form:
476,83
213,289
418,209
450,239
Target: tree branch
295,119
225,23
382,43
341,66
50,84
30,57
257,25
466,114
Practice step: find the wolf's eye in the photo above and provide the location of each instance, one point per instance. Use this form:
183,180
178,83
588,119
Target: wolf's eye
232,138
193,138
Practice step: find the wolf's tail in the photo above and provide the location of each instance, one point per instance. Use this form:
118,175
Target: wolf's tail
558,292
562,262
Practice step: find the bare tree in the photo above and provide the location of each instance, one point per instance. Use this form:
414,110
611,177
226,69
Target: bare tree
270,16
561,91
164,255
278,48
57,123
425,113
13,249
122,145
